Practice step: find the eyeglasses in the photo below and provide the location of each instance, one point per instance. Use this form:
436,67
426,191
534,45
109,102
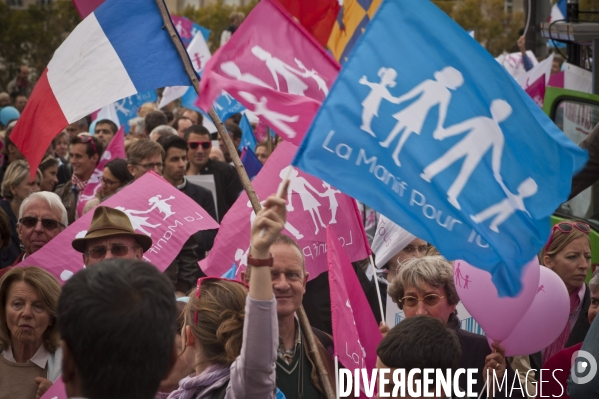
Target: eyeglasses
199,286
108,182
195,144
88,139
566,228
428,300
47,224
411,249
117,250
151,165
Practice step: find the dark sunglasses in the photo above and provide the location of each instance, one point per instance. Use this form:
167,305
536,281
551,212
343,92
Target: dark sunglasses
88,139
199,286
566,228
117,250
47,224
195,144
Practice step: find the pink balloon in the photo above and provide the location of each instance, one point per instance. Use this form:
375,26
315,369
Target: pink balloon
544,320
497,316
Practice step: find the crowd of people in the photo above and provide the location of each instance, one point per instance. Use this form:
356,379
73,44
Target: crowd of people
119,328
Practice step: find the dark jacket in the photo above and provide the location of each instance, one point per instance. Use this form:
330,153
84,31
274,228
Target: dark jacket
578,332
227,182
12,252
203,197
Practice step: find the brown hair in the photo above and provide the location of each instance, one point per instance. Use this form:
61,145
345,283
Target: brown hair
5,233
48,290
221,311
560,240
142,149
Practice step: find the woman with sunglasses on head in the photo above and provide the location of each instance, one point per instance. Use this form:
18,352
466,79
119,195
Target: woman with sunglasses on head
425,287
568,254
114,176
230,337
16,186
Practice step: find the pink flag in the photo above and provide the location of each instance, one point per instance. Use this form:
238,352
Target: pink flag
274,68
56,391
312,205
155,208
537,90
184,28
115,149
355,331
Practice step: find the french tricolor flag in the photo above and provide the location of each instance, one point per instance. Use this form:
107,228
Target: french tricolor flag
120,49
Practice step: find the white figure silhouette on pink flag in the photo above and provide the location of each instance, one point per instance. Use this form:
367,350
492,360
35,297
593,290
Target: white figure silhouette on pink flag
483,134
231,69
430,93
333,204
301,186
278,120
162,205
138,222
295,85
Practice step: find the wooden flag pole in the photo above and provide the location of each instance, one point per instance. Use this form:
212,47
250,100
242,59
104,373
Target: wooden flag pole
247,185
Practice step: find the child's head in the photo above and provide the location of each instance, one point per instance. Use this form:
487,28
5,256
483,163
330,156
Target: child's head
388,76
218,326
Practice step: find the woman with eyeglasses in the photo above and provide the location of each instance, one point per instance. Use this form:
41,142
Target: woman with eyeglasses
425,287
568,254
114,176
230,338
16,186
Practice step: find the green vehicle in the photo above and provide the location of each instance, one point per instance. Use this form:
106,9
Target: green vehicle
576,113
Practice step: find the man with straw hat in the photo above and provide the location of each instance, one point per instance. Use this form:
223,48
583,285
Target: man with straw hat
111,235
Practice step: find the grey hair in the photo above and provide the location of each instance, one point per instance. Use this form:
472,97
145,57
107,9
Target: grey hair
162,130
435,271
594,281
53,201
139,123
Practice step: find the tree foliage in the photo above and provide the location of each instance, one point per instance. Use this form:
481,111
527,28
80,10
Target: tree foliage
31,36
215,17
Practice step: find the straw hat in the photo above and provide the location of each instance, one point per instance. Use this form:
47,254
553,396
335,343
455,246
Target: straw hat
109,222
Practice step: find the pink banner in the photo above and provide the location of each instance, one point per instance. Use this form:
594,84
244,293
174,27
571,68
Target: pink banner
115,149
312,205
155,208
184,27
56,391
274,68
355,331
537,90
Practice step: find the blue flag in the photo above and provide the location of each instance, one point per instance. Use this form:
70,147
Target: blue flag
437,136
127,107
226,106
248,140
251,162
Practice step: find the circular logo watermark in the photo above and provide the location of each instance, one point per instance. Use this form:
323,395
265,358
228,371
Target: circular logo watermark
584,367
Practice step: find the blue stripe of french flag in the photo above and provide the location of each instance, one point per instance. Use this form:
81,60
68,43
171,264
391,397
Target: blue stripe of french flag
118,50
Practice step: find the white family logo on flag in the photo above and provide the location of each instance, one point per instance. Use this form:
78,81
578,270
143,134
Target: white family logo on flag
294,78
139,222
483,134
310,204
277,119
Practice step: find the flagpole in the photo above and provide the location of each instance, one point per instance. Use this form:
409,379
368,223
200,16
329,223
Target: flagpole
378,289
247,185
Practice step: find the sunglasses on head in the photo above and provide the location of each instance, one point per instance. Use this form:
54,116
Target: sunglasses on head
567,228
195,144
88,139
199,286
47,224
